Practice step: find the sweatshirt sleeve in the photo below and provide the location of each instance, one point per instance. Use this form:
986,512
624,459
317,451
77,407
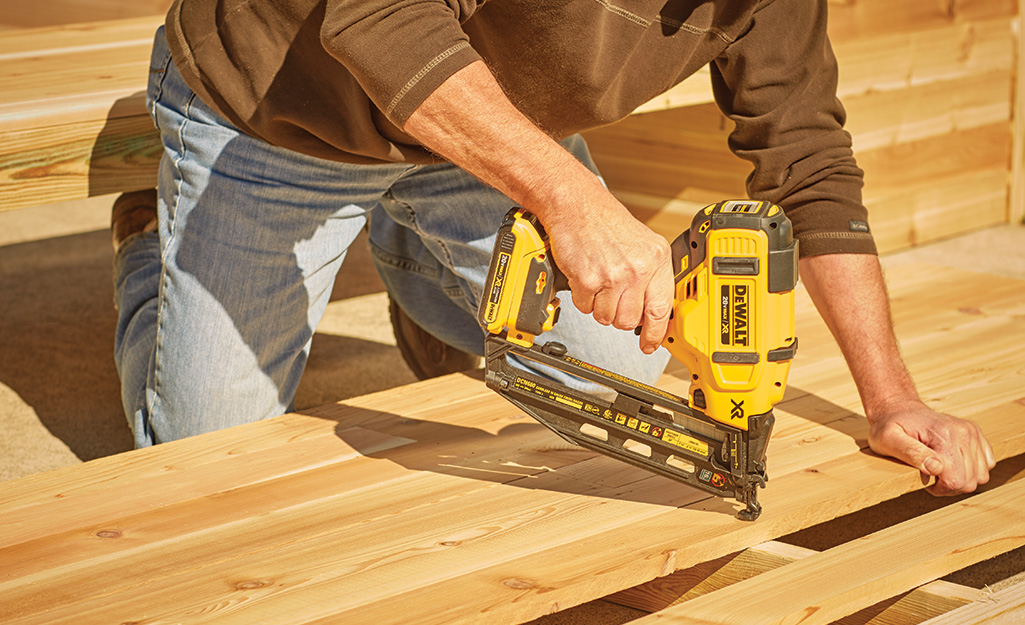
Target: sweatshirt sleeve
399,51
777,82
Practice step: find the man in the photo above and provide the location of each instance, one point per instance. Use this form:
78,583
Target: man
288,126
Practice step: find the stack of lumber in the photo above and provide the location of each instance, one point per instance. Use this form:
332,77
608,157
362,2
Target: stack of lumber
929,88
73,122
440,502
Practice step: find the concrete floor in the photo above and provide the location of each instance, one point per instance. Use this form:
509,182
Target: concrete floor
59,398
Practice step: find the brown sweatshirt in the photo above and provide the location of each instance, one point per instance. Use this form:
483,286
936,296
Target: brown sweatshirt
337,79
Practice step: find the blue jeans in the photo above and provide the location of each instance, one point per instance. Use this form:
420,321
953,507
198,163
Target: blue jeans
218,307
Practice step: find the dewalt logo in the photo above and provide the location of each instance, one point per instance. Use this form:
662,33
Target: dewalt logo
735,312
497,284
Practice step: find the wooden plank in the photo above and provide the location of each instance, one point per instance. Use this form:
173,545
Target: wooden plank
546,581
665,153
72,118
921,163
1017,201
73,73
697,89
861,19
1002,607
445,500
20,15
710,576
881,119
956,204
897,61
824,587
78,160
171,473
932,599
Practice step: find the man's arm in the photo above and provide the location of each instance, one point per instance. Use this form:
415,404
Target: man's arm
618,269
849,292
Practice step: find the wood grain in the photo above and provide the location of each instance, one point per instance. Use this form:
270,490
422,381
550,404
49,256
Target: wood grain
442,503
1017,203
20,15
72,118
930,89
824,587
932,599
1004,607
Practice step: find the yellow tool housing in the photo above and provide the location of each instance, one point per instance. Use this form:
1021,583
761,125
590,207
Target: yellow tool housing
522,282
733,319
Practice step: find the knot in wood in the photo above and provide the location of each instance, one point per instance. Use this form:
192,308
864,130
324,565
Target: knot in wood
252,584
518,584
108,534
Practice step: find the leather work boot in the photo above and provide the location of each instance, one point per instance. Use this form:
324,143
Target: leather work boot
133,213
426,356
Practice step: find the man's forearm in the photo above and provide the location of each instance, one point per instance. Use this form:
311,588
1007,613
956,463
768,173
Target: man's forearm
618,270
470,121
849,292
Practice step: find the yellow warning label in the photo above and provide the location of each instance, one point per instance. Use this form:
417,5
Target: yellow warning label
685,442
562,399
556,396
620,378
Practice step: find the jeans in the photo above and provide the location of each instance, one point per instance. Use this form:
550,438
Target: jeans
217,308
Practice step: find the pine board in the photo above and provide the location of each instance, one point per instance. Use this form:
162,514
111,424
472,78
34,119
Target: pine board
932,599
440,502
859,19
823,587
15,14
1004,607
73,122
1017,203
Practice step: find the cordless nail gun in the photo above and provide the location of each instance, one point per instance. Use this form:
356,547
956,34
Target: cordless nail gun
732,326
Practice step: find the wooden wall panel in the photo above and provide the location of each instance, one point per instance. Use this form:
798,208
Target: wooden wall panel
911,73
668,152
16,14
854,19
930,91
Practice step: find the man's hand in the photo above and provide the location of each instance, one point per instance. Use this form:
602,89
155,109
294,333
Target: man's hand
952,450
849,293
618,270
